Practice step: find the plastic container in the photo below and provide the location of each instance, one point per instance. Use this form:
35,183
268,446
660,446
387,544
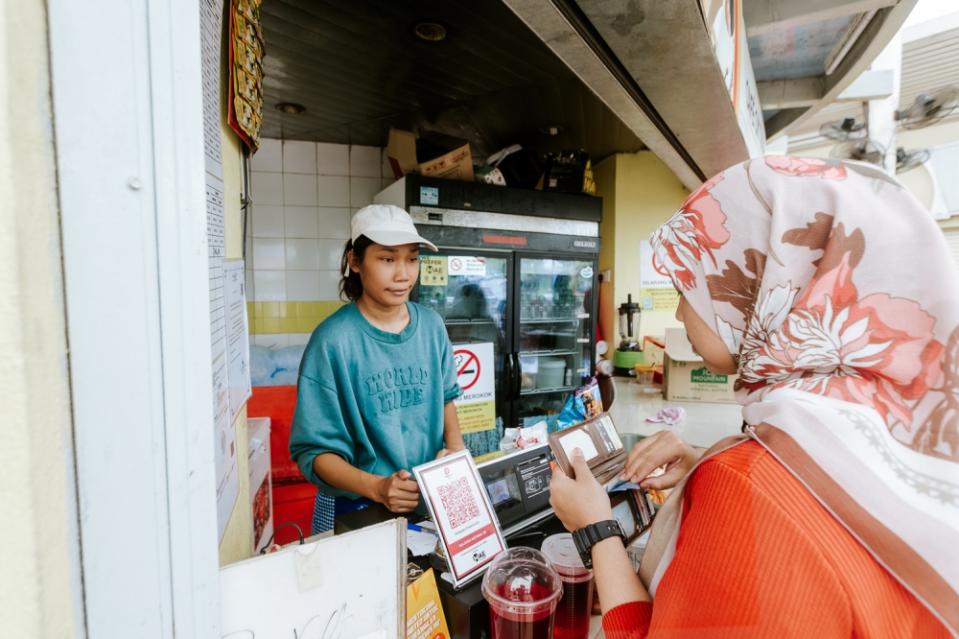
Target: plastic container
522,590
576,604
551,372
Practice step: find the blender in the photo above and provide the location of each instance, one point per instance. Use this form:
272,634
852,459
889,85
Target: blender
628,354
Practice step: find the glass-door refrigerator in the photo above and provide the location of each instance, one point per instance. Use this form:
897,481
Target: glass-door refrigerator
516,268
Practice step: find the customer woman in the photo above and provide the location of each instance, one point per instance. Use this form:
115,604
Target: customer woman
376,385
831,292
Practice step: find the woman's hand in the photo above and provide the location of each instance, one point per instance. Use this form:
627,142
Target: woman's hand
581,501
398,492
664,448
448,451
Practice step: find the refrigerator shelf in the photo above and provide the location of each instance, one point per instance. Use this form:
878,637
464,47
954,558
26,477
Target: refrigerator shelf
467,322
546,352
554,320
545,391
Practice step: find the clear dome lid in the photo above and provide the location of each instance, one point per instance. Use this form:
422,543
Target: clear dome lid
521,580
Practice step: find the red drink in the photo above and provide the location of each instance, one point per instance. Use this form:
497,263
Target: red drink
522,590
573,611
576,605
506,624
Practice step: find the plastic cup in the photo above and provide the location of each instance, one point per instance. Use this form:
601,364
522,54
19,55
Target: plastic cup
522,590
576,604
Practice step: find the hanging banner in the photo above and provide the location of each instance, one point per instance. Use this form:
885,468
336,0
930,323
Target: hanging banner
476,407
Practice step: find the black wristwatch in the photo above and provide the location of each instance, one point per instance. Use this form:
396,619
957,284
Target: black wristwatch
588,536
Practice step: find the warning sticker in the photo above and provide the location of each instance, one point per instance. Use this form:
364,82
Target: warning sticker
476,407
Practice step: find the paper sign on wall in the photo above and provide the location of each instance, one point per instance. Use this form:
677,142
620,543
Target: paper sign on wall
656,291
476,407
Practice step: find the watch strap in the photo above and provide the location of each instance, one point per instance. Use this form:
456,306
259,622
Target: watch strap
588,536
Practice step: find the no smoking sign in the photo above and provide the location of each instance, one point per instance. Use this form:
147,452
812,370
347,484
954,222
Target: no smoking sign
468,367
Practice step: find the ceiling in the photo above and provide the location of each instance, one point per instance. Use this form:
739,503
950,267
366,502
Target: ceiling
928,63
795,52
358,69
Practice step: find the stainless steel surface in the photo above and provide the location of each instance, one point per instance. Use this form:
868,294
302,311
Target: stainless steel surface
504,222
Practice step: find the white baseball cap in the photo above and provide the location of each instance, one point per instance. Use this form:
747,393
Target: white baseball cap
387,225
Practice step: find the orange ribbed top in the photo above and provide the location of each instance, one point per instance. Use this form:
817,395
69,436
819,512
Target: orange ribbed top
758,556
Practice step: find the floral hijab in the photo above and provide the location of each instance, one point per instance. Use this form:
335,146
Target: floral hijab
837,293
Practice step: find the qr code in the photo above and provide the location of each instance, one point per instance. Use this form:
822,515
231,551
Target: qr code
458,502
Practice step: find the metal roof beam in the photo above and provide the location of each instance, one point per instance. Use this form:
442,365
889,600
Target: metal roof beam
762,16
873,39
788,94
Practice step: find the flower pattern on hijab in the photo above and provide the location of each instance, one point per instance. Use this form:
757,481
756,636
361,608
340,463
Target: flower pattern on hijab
806,166
695,232
839,294
802,321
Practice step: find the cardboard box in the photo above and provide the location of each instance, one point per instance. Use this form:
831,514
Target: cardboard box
432,155
655,349
685,376
261,494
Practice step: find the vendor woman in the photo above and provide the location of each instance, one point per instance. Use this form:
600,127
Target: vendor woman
377,381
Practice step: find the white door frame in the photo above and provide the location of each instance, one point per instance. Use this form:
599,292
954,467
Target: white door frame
129,143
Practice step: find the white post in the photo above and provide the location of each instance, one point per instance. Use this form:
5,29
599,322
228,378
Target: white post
881,113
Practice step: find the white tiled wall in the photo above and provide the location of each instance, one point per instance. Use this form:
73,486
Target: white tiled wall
303,195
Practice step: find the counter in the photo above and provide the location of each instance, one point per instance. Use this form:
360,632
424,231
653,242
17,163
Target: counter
705,423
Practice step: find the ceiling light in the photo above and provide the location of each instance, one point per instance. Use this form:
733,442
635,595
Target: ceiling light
290,107
430,31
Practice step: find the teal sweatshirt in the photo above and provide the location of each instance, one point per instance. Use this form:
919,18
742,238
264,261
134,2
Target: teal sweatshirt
374,398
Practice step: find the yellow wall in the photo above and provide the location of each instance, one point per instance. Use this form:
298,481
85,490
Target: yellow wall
37,537
639,193
238,537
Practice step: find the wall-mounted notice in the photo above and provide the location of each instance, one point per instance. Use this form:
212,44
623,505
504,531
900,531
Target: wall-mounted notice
227,485
476,407
656,291
237,336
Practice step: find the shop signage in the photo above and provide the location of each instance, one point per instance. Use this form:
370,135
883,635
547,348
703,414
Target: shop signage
476,407
460,507
424,613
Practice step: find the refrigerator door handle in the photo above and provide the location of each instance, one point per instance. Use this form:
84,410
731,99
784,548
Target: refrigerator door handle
517,376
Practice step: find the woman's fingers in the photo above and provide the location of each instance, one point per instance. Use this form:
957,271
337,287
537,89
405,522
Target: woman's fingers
673,475
659,452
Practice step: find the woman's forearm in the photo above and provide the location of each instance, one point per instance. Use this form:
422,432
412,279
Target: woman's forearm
616,582
452,438
339,473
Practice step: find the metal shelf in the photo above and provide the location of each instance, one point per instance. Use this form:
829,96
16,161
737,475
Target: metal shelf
467,322
547,353
546,391
554,320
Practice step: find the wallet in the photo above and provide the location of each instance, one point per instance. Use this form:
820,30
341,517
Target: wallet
601,445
